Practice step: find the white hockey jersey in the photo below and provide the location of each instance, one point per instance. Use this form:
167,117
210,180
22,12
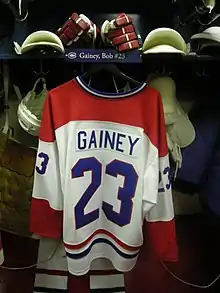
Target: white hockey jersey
102,170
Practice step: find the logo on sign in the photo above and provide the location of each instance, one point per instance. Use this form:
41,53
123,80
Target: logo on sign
72,55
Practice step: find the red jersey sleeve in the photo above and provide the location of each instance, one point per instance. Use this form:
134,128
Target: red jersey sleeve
160,224
47,199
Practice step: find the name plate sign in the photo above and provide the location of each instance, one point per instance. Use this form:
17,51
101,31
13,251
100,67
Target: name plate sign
103,56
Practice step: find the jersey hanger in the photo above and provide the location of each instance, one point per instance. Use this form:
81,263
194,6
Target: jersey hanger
41,72
112,68
16,12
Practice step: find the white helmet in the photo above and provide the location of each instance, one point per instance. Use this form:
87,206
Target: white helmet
164,40
39,39
30,109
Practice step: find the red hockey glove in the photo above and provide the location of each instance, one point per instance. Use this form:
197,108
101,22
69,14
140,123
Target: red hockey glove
120,33
78,30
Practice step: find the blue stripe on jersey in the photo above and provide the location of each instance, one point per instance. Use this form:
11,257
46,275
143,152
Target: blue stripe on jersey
96,241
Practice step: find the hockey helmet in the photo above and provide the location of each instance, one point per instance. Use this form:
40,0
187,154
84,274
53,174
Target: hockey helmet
210,34
40,39
209,39
30,109
164,40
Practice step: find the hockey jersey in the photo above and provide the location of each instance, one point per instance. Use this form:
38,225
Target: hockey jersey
102,170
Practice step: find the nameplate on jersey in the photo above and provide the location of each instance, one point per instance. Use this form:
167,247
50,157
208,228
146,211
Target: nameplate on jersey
103,55
106,139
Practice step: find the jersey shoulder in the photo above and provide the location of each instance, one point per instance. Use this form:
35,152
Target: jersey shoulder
151,95
62,89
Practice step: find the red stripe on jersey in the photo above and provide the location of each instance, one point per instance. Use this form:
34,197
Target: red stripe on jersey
71,102
105,232
161,237
44,218
47,133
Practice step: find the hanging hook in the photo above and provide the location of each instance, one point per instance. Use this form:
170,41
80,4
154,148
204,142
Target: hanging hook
163,70
41,73
206,7
202,72
16,12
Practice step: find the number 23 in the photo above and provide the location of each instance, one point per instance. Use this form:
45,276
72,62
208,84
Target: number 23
125,193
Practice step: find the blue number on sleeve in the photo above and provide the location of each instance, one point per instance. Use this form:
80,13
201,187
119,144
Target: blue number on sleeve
43,166
85,165
166,171
160,189
125,193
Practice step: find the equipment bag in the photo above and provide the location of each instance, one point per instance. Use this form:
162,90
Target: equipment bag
16,176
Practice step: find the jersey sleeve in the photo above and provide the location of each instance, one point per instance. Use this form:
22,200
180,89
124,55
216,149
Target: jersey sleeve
46,217
160,225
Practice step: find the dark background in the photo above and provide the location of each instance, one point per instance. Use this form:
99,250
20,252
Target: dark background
147,15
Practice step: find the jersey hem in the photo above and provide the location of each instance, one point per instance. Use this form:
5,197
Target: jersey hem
88,268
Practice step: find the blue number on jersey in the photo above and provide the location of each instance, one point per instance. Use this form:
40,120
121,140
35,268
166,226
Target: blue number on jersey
166,171
43,166
125,193
84,165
